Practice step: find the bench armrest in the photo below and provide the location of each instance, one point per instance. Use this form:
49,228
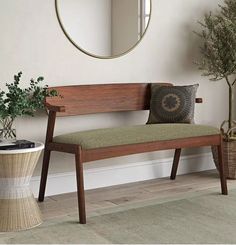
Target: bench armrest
199,100
55,108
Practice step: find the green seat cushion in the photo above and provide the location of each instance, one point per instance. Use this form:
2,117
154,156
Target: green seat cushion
99,138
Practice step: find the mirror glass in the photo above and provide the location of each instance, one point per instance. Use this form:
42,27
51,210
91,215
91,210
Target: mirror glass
104,28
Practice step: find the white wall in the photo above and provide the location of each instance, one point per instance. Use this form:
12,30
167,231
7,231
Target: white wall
88,23
32,41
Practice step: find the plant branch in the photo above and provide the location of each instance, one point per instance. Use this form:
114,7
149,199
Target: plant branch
18,102
234,82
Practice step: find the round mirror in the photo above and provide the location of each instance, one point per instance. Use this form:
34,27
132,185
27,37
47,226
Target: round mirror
104,28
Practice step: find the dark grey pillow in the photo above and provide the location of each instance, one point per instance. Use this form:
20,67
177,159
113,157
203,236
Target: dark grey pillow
172,104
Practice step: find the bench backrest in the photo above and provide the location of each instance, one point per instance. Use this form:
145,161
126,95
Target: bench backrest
88,99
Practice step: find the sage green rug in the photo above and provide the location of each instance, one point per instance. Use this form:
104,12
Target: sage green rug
205,217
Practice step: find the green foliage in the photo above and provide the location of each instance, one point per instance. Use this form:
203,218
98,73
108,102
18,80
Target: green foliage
219,43
17,101
229,10
219,52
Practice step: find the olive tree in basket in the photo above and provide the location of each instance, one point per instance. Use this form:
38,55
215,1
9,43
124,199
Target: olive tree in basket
218,61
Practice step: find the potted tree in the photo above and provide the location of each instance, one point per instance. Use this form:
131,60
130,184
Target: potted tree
17,101
218,61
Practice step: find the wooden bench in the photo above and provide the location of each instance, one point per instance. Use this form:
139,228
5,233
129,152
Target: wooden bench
113,142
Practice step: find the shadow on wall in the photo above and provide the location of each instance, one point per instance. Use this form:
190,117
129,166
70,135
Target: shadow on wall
187,49
192,52
192,40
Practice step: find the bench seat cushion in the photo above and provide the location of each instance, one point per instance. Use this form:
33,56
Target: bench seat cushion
106,137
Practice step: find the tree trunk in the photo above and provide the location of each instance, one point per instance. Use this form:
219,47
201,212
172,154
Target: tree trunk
231,99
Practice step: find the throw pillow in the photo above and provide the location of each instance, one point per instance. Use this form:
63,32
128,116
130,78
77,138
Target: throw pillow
172,104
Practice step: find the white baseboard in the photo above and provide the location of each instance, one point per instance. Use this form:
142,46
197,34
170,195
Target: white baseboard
116,175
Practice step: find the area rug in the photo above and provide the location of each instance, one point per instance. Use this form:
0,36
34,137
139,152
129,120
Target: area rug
207,217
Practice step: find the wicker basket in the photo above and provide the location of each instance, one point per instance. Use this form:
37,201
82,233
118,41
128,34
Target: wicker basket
229,158
18,208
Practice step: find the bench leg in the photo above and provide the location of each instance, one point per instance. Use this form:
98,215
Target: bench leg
223,182
80,186
175,164
44,175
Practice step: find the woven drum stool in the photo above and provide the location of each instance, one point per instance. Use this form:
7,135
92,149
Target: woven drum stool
18,208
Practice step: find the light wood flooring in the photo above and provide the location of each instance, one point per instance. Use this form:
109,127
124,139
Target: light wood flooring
66,204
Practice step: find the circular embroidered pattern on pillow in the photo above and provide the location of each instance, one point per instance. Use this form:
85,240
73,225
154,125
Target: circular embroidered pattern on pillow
172,104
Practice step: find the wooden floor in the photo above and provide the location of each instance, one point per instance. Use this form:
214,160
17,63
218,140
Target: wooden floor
65,204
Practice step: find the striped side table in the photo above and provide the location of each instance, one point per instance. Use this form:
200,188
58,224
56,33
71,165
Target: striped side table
18,208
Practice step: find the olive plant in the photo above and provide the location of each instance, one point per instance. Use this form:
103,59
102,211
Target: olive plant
218,51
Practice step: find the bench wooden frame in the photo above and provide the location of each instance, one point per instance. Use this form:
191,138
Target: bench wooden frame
88,99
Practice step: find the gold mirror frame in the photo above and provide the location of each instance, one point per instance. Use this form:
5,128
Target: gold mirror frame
93,55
